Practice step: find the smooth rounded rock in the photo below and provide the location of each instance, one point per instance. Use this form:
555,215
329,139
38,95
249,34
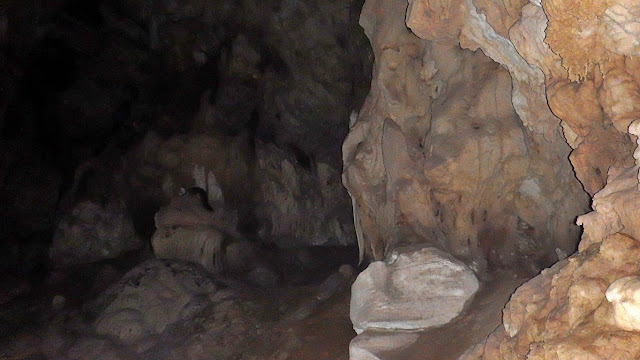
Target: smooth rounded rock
413,289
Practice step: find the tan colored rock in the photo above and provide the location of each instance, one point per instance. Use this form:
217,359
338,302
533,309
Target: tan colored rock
604,94
572,64
528,35
453,150
501,15
596,153
621,25
574,34
564,313
528,94
435,19
577,104
616,206
585,307
620,93
624,294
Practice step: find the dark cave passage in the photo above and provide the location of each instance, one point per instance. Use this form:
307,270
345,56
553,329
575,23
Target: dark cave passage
112,112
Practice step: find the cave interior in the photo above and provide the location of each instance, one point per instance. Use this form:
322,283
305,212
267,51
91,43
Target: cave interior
340,179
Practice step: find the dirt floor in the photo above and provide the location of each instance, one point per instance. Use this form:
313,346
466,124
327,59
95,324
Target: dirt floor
480,318
297,325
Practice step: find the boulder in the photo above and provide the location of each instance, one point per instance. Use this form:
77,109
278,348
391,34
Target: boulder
151,297
93,232
413,289
187,231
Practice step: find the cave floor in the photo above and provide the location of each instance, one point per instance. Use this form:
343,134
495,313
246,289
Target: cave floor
33,327
476,322
30,328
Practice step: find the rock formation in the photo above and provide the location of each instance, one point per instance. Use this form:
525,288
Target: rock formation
499,137
584,307
135,101
493,163
93,232
413,289
152,297
458,148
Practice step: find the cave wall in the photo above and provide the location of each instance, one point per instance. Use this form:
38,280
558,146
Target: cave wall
572,92
132,101
455,144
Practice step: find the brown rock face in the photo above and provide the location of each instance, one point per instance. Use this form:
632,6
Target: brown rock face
582,308
563,313
459,148
452,149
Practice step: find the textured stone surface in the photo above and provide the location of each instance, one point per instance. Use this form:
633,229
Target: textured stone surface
187,231
150,298
454,150
573,69
302,203
93,232
412,289
624,294
199,244
564,314
616,206
583,307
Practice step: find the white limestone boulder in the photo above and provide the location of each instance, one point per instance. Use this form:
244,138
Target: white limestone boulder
373,345
414,288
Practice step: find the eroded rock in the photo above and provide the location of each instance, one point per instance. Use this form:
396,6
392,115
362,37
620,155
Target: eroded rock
93,232
624,294
301,201
438,116
412,289
583,307
151,297
564,313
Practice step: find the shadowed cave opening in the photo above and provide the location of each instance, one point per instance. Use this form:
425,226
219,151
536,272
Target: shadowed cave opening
179,176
